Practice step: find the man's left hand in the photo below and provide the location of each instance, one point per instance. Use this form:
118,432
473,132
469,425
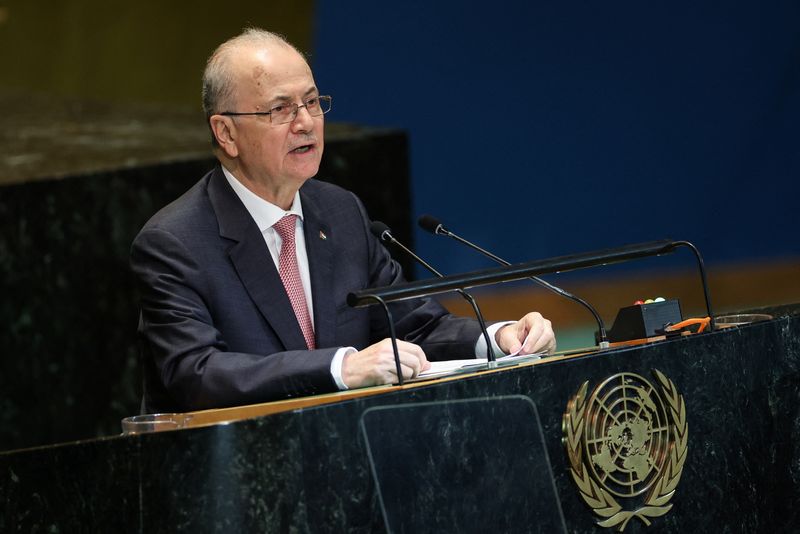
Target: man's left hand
533,330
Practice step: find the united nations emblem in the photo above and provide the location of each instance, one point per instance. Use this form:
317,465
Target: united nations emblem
627,443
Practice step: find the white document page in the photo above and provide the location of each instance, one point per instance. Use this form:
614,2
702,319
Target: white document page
472,364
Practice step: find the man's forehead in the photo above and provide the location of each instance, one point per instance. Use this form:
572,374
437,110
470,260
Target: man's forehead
269,60
272,68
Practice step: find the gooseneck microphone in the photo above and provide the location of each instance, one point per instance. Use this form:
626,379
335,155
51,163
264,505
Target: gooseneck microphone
382,232
433,225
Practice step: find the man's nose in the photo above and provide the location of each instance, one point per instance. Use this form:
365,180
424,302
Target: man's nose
303,121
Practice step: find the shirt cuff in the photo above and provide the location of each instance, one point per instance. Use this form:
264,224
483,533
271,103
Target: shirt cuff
336,366
480,345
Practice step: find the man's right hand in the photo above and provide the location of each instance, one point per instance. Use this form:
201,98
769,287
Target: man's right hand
375,365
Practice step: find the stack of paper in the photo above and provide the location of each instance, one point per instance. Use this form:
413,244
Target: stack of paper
448,367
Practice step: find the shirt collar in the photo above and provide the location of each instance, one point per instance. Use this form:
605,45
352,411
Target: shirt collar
264,213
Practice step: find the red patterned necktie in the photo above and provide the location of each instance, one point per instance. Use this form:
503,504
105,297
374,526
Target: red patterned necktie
290,276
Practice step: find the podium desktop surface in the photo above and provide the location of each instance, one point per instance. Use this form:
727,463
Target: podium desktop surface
303,464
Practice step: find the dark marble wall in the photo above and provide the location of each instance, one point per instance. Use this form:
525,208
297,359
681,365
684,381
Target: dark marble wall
69,360
69,367
308,471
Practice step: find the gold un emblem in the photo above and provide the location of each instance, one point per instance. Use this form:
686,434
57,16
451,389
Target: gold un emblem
626,444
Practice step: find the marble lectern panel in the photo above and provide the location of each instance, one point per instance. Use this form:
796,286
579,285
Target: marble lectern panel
308,469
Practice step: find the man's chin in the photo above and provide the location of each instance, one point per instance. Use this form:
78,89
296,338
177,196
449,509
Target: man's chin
304,172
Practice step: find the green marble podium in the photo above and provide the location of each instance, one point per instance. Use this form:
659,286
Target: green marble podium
307,469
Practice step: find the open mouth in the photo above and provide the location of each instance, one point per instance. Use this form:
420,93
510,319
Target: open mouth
302,149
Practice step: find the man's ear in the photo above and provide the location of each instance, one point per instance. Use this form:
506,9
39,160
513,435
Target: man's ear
225,131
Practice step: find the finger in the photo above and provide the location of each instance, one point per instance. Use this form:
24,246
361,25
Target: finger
416,350
410,364
509,341
386,347
407,346
534,338
541,345
515,341
546,341
535,326
408,371
411,361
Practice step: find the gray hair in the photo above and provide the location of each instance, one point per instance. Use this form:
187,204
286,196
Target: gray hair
218,83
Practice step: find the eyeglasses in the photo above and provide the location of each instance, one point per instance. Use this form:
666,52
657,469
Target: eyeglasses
316,106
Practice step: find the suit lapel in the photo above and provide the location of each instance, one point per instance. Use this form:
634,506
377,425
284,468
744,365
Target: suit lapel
319,246
253,263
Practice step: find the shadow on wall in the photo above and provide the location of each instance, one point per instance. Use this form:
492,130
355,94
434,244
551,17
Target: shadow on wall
136,52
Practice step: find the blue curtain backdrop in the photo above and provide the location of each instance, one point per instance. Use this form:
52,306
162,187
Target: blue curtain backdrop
546,128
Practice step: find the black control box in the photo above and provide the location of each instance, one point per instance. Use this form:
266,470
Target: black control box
644,320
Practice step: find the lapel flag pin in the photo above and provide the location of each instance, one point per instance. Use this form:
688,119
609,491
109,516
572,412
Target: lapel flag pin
322,235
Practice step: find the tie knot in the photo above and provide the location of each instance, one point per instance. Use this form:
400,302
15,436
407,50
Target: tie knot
285,227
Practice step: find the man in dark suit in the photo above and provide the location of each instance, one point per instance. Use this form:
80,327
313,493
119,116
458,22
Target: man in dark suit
244,278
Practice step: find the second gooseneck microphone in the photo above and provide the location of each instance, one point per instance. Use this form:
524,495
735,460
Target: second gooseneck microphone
433,225
382,232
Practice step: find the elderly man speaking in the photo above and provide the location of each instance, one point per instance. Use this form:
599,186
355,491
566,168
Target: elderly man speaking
244,278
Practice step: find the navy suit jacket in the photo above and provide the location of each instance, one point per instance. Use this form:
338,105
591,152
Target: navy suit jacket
216,326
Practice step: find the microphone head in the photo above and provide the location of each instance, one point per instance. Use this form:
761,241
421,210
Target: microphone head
380,230
431,224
